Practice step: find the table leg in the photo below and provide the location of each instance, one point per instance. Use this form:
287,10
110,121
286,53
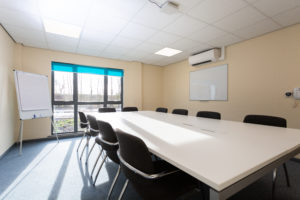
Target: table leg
214,195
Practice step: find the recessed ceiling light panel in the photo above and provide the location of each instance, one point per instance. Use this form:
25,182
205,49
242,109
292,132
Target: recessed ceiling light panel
168,52
52,26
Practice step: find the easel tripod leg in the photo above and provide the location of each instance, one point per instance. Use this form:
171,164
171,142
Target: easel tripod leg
53,129
21,136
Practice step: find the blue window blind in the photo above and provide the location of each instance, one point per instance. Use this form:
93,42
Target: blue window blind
65,67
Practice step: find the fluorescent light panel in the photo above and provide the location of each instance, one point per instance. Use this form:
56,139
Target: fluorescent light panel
52,26
168,52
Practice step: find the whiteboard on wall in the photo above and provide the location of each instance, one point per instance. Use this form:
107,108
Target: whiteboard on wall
33,95
209,84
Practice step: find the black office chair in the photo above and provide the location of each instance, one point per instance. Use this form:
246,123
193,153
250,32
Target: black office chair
109,143
83,124
130,109
270,121
94,131
104,110
209,114
163,110
180,111
151,179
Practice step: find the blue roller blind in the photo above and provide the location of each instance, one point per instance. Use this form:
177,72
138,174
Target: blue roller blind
65,67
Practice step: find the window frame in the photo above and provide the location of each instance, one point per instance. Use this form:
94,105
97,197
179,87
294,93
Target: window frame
75,102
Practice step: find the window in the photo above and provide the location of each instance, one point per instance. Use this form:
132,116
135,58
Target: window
82,88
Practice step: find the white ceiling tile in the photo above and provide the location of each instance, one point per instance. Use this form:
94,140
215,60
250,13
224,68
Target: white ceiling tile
206,34
135,55
224,40
111,55
151,58
116,49
163,38
288,18
61,41
21,19
88,52
274,7
184,26
213,10
91,45
186,5
125,42
26,34
97,36
66,11
137,32
184,44
117,8
62,47
27,6
149,47
199,48
257,29
105,23
240,19
35,43
153,17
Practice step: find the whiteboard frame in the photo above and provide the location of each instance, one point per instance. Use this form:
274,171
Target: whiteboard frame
225,99
31,114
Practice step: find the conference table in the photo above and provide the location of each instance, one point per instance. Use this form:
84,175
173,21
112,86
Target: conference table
225,155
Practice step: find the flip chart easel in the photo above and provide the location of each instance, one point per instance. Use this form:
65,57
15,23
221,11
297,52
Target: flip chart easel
33,99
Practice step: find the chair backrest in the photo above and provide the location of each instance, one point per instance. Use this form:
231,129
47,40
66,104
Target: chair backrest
83,120
108,140
164,110
135,152
266,120
209,114
129,109
104,110
107,132
180,111
94,130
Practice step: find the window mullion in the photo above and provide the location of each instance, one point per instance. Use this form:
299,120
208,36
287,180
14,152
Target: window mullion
75,99
105,91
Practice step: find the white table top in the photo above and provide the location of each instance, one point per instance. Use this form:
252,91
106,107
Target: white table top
217,152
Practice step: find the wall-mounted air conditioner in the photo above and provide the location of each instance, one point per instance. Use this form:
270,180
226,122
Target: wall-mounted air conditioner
211,55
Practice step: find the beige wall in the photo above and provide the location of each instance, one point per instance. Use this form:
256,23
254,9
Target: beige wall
8,106
260,71
152,87
39,61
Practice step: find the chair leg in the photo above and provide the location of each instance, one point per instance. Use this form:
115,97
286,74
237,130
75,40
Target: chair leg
123,190
99,170
96,162
286,175
87,158
80,141
87,143
274,181
114,182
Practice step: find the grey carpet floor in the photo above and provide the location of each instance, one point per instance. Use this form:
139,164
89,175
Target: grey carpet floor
51,170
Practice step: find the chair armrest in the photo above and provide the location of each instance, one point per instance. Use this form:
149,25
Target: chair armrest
94,130
108,143
145,175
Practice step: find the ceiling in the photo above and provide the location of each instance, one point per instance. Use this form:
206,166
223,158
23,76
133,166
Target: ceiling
133,30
